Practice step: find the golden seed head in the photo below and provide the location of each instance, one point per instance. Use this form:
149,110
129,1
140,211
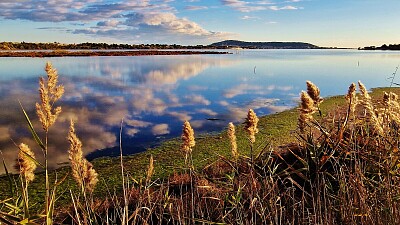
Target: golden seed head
232,138
313,92
363,91
150,170
393,96
386,99
352,98
251,125
306,103
25,162
90,176
82,170
49,93
302,121
187,138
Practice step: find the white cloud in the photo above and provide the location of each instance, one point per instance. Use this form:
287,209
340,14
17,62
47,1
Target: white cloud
136,20
182,116
137,123
160,129
163,27
248,17
197,99
195,7
289,7
208,112
245,6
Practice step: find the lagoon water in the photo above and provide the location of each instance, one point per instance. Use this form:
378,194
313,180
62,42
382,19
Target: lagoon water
155,94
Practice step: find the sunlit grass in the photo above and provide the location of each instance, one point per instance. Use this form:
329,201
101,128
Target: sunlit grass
323,164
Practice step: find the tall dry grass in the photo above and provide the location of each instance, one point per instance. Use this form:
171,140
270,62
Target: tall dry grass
344,169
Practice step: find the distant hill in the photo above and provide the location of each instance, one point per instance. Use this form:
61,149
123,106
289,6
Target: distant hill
264,45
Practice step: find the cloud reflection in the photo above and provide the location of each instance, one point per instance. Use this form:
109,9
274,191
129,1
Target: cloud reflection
152,95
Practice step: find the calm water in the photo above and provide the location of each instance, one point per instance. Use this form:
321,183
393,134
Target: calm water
155,94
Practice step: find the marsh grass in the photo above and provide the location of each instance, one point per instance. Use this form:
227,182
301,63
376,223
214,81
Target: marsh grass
338,166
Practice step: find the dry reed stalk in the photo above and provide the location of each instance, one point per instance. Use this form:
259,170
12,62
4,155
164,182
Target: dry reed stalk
49,94
82,170
150,170
232,138
25,162
314,93
352,98
187,139
251,125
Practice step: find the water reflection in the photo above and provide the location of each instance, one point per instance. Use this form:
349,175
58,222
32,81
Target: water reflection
155,94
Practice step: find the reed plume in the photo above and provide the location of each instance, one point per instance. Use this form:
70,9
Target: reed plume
363,91
251,125
25,162
187,139
150,170
366,102
232,138
313,92
352,98
306,110
392,107
49,92
82,170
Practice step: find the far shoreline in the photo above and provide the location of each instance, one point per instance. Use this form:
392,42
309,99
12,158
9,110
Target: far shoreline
88,53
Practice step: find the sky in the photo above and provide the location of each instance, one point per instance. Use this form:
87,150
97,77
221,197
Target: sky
327,23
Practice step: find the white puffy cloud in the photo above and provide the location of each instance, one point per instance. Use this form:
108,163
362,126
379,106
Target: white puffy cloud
197,99
133,21
245,6
208,112
160,129
195,7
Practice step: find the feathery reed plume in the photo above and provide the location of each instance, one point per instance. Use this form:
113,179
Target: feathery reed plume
150,170
313,92
49,94
251,125
394,101
306,110
306,103
232,138
25,162
392,107
386,99
370,110
364,91
188,139
82,170
352,98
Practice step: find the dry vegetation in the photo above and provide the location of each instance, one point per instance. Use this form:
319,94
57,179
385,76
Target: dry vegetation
343,169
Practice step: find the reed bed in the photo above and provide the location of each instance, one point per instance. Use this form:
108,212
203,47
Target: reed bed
343,168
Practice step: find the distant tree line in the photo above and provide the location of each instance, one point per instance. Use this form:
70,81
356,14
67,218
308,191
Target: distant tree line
87,45
383,47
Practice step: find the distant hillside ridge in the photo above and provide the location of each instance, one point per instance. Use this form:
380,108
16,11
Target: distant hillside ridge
264,45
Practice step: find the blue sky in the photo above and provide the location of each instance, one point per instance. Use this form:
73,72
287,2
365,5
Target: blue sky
340,23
